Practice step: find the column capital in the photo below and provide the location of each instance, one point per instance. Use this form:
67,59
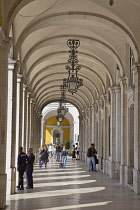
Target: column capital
136,68
123,81
28,94
19,78
31,100
111,90
117,89
99,103
24,87
11,64
104,97
5,42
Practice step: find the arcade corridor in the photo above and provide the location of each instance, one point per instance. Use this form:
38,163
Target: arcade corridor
73,188
70,74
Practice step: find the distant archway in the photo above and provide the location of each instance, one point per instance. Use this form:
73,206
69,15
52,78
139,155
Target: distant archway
57,136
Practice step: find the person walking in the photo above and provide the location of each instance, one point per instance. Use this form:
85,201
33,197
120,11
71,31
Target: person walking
40,151
64,157
21,167
91,153
77,152
50,148
73,153
58,151
29,169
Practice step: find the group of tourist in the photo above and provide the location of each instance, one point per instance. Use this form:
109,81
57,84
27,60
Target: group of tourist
58,151
25,162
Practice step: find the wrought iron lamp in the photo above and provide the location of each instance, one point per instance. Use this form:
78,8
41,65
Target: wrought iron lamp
73,82
111,2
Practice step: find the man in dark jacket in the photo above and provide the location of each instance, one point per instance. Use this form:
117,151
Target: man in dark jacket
21,167
29,169
58,151
91,153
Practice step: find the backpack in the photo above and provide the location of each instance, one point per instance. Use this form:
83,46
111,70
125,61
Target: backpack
89,152
44,156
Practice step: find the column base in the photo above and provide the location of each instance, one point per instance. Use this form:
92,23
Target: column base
100,163
13,180
123,175
104,166
112,170
136,181
117,170
129,179
3,179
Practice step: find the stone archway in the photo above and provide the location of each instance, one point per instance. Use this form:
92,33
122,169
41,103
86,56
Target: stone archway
60,138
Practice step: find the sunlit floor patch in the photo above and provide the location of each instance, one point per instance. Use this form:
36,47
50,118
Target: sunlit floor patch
61,177
55,169
55,164
79,206
46,194
58,173
64,183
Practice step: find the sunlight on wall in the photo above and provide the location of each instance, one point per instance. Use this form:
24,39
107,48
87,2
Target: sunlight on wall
52,122
48,138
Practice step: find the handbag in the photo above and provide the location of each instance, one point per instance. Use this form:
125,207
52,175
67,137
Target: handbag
96,160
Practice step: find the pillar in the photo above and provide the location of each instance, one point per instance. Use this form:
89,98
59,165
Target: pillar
4,50
9,153
105,135
19,111
99,139
136,170
113,133
13,137
123,168
28,120
118,133
24,139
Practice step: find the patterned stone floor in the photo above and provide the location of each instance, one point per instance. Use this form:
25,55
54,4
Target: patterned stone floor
73,188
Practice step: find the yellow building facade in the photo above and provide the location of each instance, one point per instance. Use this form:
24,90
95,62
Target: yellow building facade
62,133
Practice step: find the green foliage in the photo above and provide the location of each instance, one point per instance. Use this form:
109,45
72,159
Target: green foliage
57,135
67,144
70,151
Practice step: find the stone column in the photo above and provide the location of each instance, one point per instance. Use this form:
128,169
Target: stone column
24,118
91,124
113,133
118,133
31,122
99,149
105,135
13,137
9,170
94,124
136,170
42,131
21,104
84,135
19,110
4,50
123,168
28,120
80,135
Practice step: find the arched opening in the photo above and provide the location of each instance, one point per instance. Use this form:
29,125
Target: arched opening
68,131
56,137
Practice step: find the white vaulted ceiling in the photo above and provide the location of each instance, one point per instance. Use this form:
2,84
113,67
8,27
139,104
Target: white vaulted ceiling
41,29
